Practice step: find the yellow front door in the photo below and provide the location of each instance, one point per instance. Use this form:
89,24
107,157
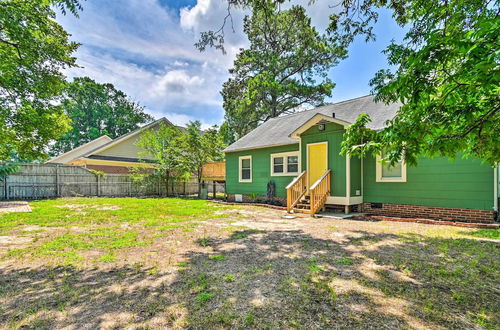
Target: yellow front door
317,161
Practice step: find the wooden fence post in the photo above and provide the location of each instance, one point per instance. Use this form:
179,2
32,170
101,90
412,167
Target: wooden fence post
98,181
6,195
214,188
58,189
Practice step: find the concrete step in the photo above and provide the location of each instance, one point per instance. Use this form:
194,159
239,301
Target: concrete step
296,210
303,206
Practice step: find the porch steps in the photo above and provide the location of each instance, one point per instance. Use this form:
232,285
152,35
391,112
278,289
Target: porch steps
304,206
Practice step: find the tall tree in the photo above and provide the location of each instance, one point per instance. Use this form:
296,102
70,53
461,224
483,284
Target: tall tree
33,51
285,67
202,147
446,77
227,133
166,147
96,110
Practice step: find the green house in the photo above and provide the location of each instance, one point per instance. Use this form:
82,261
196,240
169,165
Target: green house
299,156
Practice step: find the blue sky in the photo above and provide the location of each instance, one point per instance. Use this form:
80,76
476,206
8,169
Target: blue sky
145,48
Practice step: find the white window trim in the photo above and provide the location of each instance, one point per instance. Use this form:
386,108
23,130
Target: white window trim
285,156
379,177
240,168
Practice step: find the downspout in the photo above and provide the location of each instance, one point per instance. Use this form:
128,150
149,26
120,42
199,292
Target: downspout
495,191
362,181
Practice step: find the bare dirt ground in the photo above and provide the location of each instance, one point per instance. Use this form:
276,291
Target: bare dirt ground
7,207
250,268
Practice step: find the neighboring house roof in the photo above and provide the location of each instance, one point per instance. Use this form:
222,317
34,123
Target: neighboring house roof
88,150
81,150
126,136
277,131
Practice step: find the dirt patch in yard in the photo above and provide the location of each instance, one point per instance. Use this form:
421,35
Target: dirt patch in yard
9,207
249,267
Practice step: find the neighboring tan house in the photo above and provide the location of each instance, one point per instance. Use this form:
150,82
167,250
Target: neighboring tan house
300,153
108,155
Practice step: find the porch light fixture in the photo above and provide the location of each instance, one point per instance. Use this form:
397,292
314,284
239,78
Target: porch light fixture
321,127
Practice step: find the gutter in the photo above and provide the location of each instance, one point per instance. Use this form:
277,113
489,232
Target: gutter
495,190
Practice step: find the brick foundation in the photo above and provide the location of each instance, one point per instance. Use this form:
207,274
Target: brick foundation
261,199
441,213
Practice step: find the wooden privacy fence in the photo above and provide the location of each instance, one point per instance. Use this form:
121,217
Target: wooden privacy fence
38,181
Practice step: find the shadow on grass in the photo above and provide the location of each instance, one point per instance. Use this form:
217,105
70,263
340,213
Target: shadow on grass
273,279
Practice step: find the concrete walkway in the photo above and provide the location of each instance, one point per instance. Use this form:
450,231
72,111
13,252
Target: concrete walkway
8,207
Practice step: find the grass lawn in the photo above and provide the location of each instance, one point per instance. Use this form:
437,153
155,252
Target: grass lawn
173,263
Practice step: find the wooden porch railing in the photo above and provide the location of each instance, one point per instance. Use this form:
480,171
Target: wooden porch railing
295,190
319,191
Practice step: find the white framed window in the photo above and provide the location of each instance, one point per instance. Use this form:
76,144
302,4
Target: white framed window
245,168
388,173
285,164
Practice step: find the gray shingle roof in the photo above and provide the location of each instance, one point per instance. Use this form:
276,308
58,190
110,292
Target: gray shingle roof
277,131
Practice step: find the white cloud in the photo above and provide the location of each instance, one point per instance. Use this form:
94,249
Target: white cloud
209,15
147,50
180,63
181,119
191,17
177,82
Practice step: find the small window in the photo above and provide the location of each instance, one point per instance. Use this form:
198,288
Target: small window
390,173
278,164
292,164
285,164
245,169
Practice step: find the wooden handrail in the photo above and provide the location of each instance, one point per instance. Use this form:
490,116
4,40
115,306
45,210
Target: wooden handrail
319,180
320,191
295,190
295,180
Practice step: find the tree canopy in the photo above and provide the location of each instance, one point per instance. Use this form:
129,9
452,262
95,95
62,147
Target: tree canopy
96,110
447,79
166,147
33,51
446,76
202,147
285,67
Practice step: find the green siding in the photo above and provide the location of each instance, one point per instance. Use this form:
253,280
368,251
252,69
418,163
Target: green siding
333,135
463,183
261,172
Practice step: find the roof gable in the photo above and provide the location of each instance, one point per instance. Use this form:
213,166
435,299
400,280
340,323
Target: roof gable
127,136
316,119
278,131
81,150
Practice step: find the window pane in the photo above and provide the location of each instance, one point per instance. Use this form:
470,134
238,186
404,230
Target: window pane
278,160
245,174
245,163
293,168
293,159
392,172
278,164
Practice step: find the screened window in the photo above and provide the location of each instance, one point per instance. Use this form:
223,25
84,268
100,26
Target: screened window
292,164
246,169
285,163
390,173
278,166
